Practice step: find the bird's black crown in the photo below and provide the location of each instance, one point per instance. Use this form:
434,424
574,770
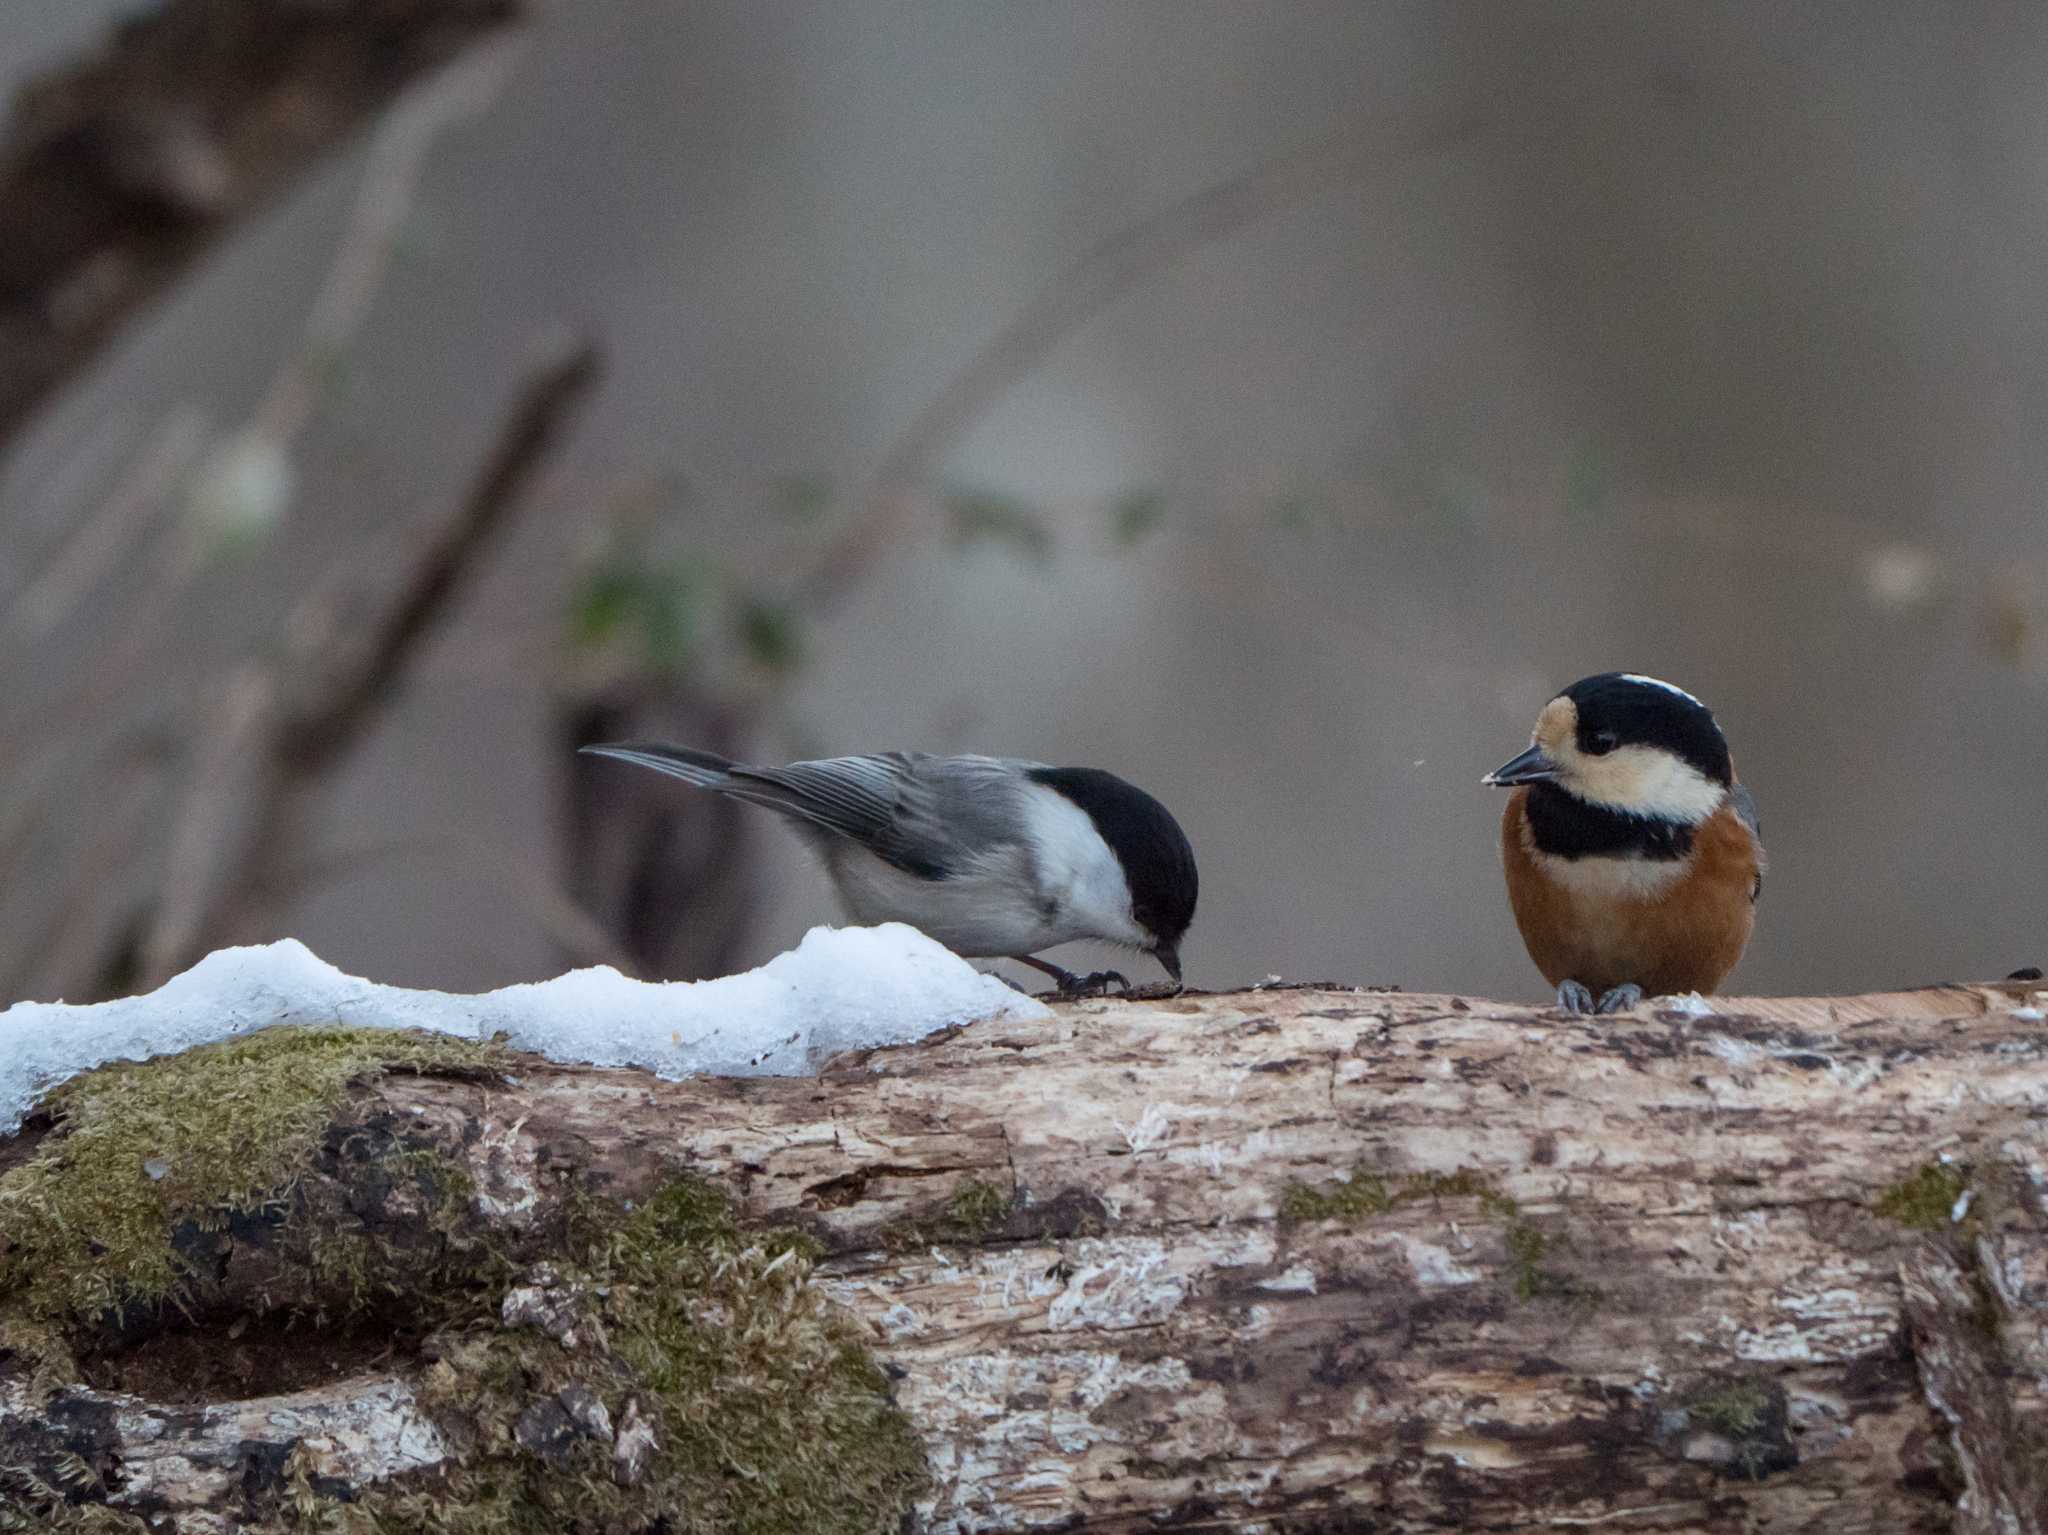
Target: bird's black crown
1158,863
1623,709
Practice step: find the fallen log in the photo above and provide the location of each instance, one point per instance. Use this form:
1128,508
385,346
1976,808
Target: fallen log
1293,1259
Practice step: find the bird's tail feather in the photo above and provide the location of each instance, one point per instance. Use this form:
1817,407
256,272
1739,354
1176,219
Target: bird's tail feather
707,770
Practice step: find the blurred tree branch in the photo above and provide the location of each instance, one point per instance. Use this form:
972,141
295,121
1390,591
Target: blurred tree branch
352,644
670,877
117,172
1105,273
187,463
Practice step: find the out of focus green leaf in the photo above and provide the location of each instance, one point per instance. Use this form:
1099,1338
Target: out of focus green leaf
599,606
1296,514
985,516
802,498
656,608
769,633
1136,514
668,622
1588,481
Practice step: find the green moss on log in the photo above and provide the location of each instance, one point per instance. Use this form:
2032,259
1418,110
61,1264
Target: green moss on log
1925,1199
199,1139
973,1210
1750,1415
767,1416
1366,1195
548,1353
1360,1197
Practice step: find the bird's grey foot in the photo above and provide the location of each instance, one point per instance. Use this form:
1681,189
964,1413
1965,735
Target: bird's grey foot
1621,998
1572,997
1096,984
1067,984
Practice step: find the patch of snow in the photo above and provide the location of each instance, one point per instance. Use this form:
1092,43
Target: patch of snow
1689,1003
1737,1053
840,989
1153,1129
1433,1266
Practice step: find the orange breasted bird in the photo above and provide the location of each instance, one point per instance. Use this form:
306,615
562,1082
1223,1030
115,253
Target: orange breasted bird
1632,854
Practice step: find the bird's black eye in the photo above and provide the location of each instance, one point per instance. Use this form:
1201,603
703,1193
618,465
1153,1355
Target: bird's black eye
1601,743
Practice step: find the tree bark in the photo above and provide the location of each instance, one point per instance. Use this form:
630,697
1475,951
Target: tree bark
1308,1260
118,171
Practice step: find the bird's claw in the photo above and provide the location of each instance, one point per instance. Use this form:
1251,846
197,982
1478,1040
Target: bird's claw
1095,984
1573,997
1621,998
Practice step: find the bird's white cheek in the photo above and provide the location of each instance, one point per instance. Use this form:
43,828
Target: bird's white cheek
1078,872
1646,782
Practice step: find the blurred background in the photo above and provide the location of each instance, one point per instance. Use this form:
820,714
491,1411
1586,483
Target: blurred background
1274,405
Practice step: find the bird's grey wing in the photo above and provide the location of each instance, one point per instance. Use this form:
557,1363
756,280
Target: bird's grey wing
857,797
1743,803
977,805
930,816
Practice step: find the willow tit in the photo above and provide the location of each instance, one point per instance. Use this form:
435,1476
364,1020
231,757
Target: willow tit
1632,853
994,858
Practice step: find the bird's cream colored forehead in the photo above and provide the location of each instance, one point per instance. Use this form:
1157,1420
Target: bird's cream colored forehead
1557,727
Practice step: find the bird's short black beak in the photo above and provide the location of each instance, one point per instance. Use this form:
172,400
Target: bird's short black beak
1534,766
1168,954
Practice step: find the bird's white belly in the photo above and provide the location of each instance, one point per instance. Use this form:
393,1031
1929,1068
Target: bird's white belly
1604,880
979,915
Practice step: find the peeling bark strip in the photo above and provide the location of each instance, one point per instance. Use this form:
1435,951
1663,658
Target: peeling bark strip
116,172
196,1458
1306,1260
1956,1326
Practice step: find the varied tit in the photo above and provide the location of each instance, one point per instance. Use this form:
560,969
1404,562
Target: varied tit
994,858
1632,854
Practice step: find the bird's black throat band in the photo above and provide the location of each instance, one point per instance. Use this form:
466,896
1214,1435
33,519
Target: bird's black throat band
1565,826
